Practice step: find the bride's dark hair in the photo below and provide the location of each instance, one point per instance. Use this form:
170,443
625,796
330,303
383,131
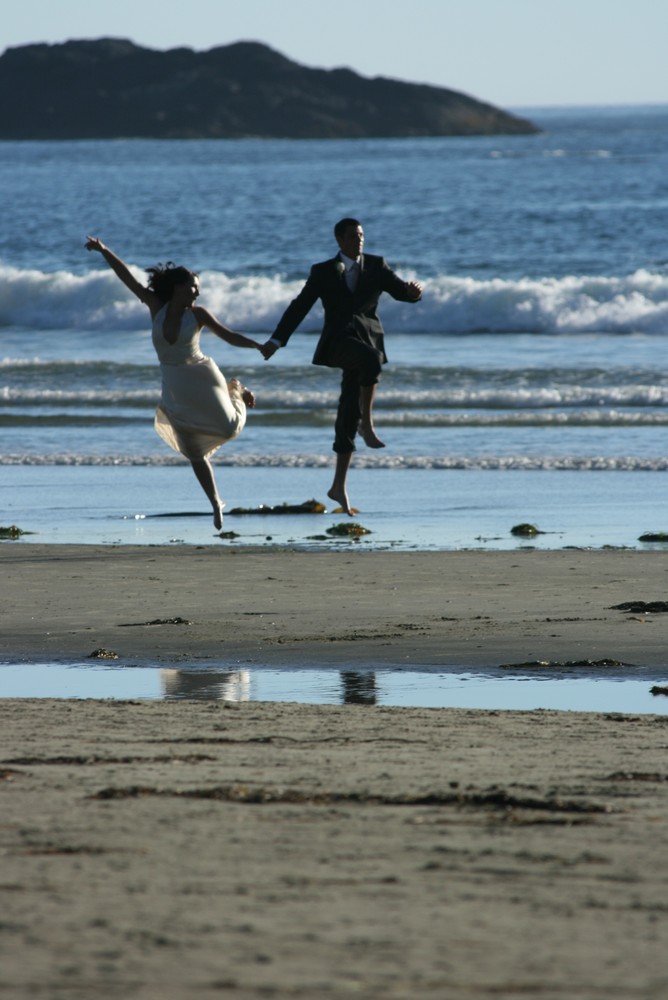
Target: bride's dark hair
164,277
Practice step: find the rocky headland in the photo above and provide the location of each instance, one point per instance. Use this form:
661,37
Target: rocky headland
111,88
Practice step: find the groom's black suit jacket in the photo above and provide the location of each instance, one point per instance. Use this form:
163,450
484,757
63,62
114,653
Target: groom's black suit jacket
346,313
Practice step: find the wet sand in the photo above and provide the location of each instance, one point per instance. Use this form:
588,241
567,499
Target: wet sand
212,849
279,607
161,850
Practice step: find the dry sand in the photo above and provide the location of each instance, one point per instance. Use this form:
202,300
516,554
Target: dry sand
169,851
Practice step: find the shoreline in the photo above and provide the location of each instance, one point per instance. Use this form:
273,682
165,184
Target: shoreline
165,606
405,510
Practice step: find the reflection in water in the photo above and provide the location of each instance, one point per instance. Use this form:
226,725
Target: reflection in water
619,690
359,688
231,685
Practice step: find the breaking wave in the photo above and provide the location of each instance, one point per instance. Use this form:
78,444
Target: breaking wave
636,303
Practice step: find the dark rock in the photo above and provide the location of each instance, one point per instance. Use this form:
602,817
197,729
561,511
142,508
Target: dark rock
348,528
308,507
561,664
111,88
525,530
177,620
641,607
12,532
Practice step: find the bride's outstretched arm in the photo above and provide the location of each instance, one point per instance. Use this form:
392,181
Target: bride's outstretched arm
122,271
207,319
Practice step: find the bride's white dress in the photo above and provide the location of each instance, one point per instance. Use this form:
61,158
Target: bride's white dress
198,409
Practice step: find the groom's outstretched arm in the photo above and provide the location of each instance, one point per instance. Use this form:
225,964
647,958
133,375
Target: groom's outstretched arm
295,313
404,291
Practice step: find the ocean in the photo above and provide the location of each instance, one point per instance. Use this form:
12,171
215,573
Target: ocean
530,385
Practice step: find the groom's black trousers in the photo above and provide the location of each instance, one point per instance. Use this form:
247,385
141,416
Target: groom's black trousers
361,364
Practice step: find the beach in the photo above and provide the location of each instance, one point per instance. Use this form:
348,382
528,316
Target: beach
211,849
223,840
187,604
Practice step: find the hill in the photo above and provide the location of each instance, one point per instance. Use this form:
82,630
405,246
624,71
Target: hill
112,88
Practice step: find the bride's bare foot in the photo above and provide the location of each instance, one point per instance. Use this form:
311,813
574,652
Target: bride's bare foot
218,515
341,497
370,438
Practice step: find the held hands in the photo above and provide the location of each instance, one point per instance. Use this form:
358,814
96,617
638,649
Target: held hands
249,342
268,350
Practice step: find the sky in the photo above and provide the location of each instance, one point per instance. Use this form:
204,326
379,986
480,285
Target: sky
512,53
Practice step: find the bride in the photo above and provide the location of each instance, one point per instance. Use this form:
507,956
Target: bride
198,409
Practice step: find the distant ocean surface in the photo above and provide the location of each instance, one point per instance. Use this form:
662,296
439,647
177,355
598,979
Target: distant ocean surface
530,384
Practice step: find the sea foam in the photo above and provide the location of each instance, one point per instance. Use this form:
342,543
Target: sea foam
509,463
636,303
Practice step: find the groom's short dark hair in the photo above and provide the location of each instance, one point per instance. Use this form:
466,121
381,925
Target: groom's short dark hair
343,224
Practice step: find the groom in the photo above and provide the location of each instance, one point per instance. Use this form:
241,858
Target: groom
349,286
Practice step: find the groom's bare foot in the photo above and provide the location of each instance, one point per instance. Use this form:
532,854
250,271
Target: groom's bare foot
341,497
218,515
370,438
